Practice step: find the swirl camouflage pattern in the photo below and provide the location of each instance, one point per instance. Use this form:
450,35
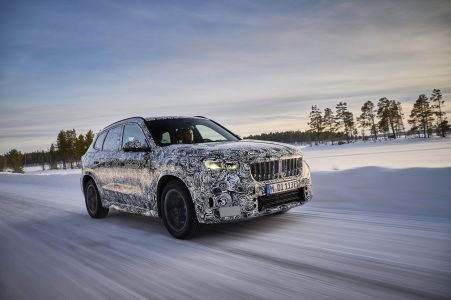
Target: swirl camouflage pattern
227,178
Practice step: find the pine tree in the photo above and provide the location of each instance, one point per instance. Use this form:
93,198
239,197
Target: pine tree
367,118
382,113
71,138
349,124
2,163
344,119
52,157
316,122
80,147
390,115
329,123
397,116
15,160
88,139
421,115
438,103
42,159
340,108
61,144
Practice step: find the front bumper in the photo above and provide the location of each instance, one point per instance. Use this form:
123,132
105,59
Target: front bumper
253,202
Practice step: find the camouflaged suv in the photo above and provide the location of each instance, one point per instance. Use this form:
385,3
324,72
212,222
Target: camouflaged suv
190,171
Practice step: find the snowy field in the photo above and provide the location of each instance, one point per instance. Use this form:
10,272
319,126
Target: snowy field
379,227
398,154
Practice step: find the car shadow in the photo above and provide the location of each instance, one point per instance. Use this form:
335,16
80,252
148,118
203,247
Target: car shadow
245,228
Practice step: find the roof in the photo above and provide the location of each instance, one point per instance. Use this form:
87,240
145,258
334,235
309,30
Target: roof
171,117
150,119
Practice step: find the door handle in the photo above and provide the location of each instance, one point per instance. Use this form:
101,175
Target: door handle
96,162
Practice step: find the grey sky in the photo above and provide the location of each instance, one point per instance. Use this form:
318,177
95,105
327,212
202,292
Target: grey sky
255,66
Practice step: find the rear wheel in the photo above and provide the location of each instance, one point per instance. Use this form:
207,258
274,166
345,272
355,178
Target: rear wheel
179,216
92,201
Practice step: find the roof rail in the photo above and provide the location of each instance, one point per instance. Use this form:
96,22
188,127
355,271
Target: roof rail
123,120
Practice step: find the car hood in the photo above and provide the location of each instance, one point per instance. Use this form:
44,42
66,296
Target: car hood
243,150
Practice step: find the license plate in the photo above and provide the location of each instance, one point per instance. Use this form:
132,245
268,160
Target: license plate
273,188
229,211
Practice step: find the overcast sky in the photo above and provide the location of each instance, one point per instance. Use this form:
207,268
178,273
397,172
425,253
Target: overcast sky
254,66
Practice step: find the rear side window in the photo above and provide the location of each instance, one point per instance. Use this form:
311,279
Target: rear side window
113,139
133,134
99,141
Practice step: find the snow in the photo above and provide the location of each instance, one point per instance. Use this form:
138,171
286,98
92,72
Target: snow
37,170
398,154
378,227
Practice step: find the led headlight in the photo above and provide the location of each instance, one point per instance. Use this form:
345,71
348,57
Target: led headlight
231,166
213,165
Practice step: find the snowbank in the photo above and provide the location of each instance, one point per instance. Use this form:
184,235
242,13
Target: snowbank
402,153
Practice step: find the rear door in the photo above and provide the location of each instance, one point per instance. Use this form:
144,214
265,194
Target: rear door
109,170
96,160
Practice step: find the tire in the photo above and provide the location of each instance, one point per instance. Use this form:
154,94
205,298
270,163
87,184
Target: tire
179,216
93,202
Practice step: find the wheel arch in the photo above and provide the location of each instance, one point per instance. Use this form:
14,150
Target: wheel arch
162,183
85,179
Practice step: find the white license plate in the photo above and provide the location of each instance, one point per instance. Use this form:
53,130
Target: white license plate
273,188
229,211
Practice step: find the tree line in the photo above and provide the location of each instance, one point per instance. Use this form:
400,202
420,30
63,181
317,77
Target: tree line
65,152
294,136
384,119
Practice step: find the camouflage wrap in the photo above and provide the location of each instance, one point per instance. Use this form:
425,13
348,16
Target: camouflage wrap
130,181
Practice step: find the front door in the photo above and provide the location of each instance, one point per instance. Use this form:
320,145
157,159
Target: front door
134,164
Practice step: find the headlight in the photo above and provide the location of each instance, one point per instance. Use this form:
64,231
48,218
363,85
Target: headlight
231,166
215,165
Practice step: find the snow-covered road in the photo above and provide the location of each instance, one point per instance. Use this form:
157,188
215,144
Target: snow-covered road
369,233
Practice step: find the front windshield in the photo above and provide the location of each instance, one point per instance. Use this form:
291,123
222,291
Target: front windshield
187,131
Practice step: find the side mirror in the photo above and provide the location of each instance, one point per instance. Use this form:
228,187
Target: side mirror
135,146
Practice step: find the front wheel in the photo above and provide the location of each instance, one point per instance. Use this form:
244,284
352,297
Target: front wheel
92,201
179,216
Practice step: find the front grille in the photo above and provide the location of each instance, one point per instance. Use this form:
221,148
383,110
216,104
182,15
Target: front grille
269,170
274,200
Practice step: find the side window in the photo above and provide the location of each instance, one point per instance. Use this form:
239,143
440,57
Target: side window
99,141
209,135
113,139
133,136
165,138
